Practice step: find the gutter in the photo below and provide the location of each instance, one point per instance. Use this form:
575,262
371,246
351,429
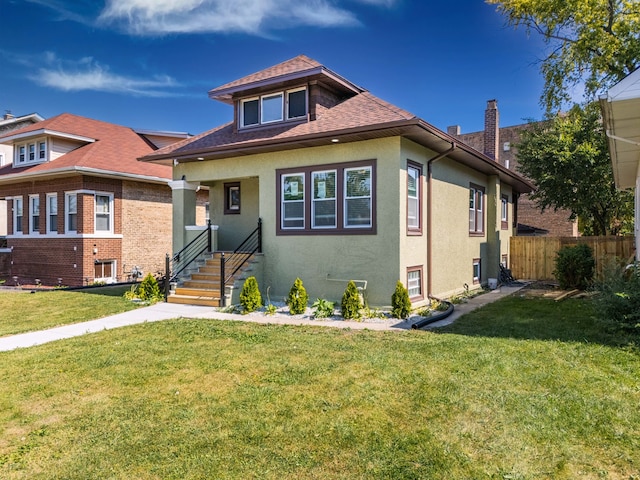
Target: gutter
440,156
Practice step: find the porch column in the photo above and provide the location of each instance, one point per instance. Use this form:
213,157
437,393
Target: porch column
493,226
183,195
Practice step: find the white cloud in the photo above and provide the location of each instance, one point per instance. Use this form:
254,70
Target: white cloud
87,74
158,17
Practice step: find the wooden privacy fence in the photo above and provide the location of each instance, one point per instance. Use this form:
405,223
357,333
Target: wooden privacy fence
533,258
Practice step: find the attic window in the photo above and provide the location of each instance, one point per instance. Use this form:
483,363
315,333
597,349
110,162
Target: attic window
273,107
33,151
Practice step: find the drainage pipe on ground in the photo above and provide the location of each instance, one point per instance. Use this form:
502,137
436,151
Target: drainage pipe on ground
434,318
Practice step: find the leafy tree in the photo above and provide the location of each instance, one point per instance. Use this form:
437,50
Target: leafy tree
568,160
594,43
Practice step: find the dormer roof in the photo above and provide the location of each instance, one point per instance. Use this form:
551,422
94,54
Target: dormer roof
281,75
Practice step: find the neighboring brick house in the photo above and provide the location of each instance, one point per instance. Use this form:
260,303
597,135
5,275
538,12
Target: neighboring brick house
81,208
8,124
347,187
500,143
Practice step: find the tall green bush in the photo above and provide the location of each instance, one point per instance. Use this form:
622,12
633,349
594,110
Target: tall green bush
250,297
351,303
148,290
297,298
400,303
618,297
575,266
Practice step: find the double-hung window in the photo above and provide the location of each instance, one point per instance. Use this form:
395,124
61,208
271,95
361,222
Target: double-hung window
71,215
327,199
476,210
323,204
104,213
477,271
34,213
504,212
52,213
17,215
414,217
32,152
414,283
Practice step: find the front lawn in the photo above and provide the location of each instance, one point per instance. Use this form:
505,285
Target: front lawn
27,312
521,389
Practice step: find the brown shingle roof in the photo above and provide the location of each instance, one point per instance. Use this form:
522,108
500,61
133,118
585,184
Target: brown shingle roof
115,149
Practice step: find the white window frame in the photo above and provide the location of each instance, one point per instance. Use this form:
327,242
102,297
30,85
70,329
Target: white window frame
241,113
346,198
323,198
68,211
1,159
21,153
34,203
414,223
283,203
109,214
477,270
52,200
476,210
18,207
306,103
33,151
266,98
414,282
113,276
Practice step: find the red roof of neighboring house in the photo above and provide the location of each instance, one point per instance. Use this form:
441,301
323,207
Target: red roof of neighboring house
115,149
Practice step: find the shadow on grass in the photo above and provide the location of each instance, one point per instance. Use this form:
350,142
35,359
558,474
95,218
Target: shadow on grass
526,318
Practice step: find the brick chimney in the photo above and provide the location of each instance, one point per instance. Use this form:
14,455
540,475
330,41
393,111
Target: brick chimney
8,115
491,130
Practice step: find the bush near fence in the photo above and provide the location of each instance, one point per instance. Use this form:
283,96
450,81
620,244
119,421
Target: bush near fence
533,258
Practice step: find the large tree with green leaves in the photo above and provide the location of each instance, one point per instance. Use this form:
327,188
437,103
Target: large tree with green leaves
592,43
568,160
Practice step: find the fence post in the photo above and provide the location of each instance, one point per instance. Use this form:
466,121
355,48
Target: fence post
209,236
223,299
167,276
259,235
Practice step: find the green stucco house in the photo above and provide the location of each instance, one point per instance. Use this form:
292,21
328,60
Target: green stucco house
347,187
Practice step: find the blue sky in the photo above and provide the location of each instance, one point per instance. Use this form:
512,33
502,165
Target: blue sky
149,64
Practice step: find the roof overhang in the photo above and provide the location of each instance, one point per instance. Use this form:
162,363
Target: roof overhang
621,115
414,129
45,131
67,171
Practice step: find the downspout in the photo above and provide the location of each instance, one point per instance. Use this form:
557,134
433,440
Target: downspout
429,212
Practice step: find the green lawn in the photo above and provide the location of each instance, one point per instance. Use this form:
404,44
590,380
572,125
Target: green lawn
521,389
26,312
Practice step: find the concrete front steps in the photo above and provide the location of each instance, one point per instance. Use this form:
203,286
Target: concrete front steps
203,287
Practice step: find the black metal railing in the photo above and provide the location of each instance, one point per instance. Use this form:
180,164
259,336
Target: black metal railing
231,263
177,264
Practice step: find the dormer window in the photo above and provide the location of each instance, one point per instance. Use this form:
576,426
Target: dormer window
273,107
31,152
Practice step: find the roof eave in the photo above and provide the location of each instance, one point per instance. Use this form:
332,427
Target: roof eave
45,131
65,171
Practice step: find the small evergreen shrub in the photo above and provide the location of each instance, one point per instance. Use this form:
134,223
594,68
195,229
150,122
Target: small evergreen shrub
148,290
250,297
323,308
351,303
297,298
400,303
575,266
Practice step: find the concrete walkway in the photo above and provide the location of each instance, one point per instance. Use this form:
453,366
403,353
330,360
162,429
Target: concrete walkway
165,311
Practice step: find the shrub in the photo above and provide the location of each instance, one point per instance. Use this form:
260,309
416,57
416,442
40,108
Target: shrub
148,290
250,297
323,308
619,295
351,303
575,266
298,298
400,303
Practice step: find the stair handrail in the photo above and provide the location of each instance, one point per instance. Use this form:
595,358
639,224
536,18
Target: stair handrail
229,265
180,261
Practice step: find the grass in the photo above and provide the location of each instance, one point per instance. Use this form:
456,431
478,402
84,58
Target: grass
26,312
521,389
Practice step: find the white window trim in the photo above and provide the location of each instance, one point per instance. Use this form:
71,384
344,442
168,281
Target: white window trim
346,198
314,200
111,279
478,262
262,109
35,142
48,213
417,224
283,202
15,215
95,213
241,113
67,195
32,230
1,159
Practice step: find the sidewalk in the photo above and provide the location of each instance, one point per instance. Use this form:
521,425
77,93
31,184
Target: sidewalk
166,311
